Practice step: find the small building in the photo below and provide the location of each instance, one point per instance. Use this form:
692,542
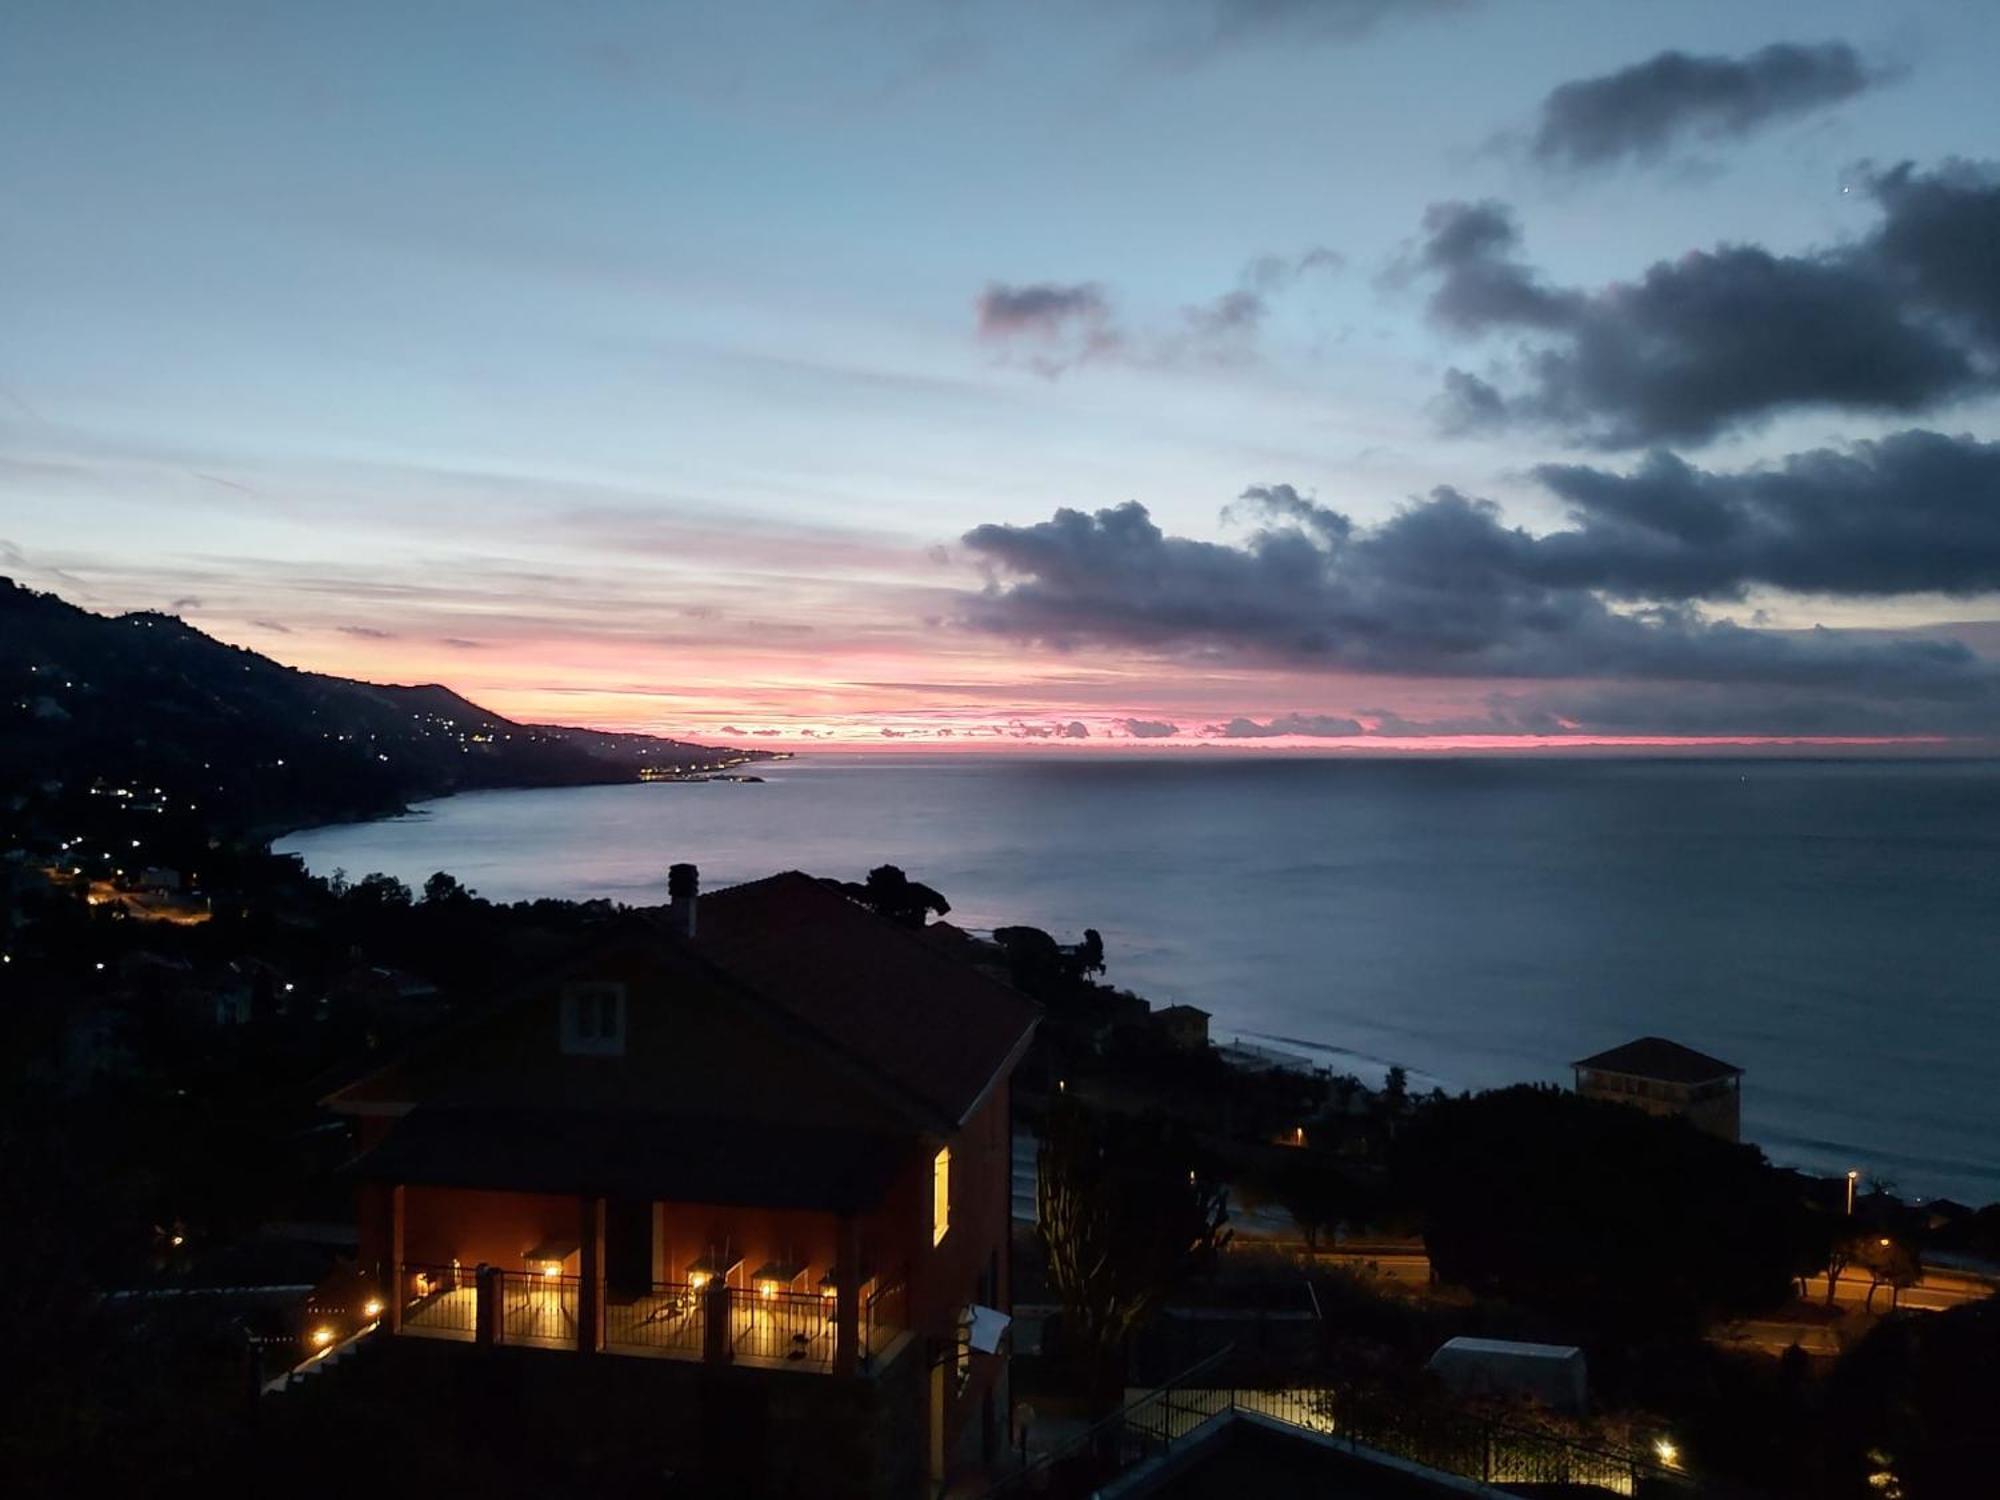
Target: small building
1553,1374
1665,1078
1183,1027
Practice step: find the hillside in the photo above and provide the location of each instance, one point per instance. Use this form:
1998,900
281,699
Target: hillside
145,709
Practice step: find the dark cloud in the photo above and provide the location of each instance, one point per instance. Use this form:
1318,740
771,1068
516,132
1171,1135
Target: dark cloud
1445,588
1640,112
272,625
366,632
1902,320
1075,729
1150,729
186,602
1915,512
460,643
1315,726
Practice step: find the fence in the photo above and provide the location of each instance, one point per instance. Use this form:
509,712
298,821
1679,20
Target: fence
440,1301
884,1314
1420,1430
539,1309
797,1327
667,1320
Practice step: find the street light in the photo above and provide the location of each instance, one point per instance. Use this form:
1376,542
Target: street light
1852,1177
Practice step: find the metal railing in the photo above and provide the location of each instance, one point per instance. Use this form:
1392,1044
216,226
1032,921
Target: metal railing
884,1315
667,1320
439,1301
539,1309
1421,1430
796,1327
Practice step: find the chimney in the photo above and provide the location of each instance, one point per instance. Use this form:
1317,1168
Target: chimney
683,886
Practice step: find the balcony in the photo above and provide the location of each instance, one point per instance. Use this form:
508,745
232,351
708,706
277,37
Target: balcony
714,1323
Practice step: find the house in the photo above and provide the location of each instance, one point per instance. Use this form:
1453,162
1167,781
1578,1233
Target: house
1665,1078
750,1157
1183,1027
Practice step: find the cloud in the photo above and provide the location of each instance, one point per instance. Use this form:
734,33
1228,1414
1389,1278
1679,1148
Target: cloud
1075,729
461,643
1063,325
366,632
1903,320
272,625
1914,512
185,602
1314,726
1199,26
1150,729
1446,589
1639,113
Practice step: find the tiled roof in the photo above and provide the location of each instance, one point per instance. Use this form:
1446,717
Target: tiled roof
919,1016
638,1155
1657,1058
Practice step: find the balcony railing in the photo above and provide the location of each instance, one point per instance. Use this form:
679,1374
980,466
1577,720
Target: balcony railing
794,1327
673,1320
440,1301
669,1320
539,1309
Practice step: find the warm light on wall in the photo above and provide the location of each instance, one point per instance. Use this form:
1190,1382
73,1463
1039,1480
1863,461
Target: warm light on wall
697,1280
940,1195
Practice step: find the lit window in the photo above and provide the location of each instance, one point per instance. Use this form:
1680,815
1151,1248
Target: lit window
940,1195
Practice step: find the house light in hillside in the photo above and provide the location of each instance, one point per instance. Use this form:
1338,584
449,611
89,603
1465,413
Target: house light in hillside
940,1195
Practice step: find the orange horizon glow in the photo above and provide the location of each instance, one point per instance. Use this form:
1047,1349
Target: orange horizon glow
887,699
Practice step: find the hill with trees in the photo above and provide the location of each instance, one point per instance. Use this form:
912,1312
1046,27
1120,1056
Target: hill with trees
148,712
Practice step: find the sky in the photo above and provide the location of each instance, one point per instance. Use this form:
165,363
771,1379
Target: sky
1133,373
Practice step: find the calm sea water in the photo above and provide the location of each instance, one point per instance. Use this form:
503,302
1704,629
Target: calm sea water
1832,927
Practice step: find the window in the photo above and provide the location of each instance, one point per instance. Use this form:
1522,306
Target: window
940,1195
593,1019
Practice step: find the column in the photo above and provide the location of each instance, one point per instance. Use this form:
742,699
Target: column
590,1295
847,1298
391,1288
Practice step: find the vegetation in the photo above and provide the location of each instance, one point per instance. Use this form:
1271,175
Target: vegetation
1125,1218
1623,1224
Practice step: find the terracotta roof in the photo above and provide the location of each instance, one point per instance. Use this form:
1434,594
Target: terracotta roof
1657,1058
929,1024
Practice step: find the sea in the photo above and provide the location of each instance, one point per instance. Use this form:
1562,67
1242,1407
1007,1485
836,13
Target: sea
1830,926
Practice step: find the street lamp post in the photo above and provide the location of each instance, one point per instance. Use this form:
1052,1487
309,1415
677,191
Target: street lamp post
1852,1177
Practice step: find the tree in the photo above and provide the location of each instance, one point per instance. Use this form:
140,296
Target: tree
1125,1217
1909,1409
443,889
1090,952
1889,1262
902,900
1314,1194
1616,1221
379,890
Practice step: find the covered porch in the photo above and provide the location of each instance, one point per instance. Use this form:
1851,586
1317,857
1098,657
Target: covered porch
775,1263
